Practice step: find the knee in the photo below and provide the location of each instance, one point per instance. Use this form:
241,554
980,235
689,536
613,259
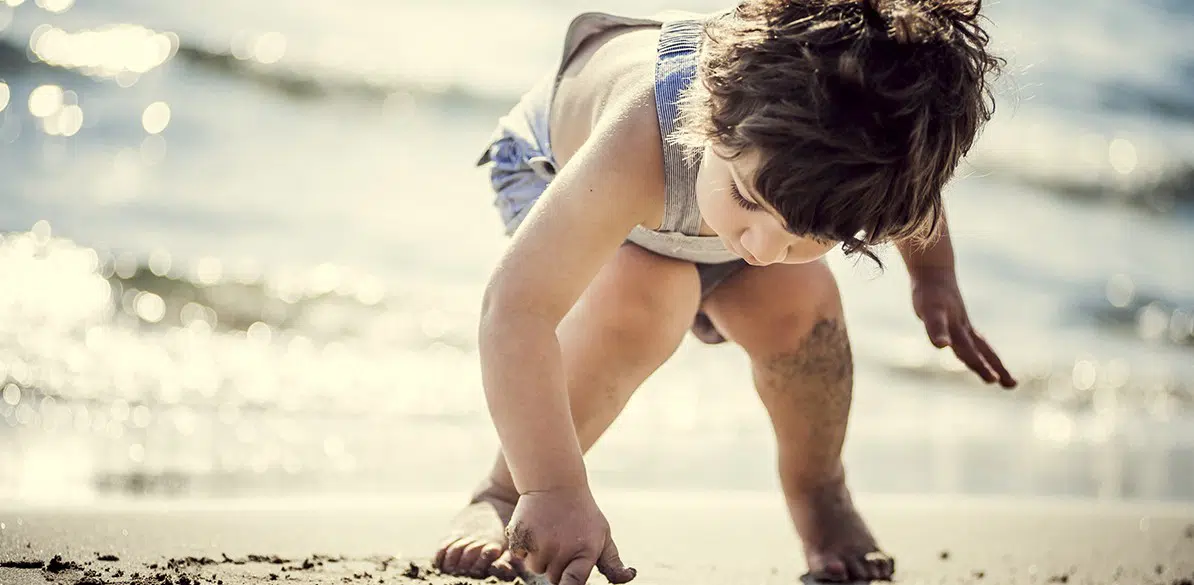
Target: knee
817,328
649,300
785,325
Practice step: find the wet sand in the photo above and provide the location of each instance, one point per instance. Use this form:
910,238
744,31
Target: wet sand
671,538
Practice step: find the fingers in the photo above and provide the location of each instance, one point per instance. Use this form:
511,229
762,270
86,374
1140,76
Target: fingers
1005,377
505,567
538,560
964,348
937,326
469,558
480,565
610,564
575,572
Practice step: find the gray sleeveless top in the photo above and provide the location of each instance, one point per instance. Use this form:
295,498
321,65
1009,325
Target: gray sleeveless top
675,68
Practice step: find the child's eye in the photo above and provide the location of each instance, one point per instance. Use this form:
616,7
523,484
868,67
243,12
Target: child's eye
742,202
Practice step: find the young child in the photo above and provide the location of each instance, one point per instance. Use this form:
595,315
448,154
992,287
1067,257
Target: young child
691,172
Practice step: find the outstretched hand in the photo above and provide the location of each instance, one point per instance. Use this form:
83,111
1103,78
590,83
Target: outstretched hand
938,302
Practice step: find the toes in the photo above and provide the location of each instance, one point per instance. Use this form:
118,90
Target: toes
440,552
882,565
451,564
480,567
469,558
832,570
503,568
859,570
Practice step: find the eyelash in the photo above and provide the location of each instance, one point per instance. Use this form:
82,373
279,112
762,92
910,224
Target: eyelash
742,201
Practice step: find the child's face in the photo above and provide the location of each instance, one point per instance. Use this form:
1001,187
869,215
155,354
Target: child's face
745,222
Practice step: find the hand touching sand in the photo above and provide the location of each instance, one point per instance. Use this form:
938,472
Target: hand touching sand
562,534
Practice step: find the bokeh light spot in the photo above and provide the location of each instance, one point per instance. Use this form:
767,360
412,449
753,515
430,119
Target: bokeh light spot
208,271
270,48
4,95
156,117
1152,322
1120,290
41,230
241,45
150,307
1123,156
260,333
45,100
125,266
55,6
1084,375
12,395
66,122
159,262
119,411
141,416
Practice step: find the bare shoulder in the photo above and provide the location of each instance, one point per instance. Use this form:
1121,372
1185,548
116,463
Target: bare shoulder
612,183
626,135
619,165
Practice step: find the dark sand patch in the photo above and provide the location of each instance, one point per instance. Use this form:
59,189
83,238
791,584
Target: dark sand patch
22,564
250,569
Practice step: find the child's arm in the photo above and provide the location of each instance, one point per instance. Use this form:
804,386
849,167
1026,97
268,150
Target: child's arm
935,256
937,300
611,184
607,188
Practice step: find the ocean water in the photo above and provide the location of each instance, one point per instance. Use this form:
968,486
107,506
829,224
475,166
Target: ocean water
244,246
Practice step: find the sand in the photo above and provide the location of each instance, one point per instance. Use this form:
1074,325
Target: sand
671,538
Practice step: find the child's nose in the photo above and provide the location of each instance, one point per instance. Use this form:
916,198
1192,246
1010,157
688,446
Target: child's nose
765,247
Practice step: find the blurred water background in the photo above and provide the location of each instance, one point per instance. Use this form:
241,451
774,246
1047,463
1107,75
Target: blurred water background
245,245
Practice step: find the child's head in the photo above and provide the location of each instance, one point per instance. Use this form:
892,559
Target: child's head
846,118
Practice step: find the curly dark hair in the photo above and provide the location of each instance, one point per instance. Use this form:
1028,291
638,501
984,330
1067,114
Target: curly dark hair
860,109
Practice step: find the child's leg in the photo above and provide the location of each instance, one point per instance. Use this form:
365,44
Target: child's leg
803,371
629,321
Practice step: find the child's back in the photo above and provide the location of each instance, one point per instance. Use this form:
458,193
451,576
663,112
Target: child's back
612,74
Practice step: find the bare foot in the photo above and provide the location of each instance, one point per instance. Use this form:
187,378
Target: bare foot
837,544
476,544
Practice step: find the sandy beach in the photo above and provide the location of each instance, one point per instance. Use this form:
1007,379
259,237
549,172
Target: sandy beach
245,248
671,538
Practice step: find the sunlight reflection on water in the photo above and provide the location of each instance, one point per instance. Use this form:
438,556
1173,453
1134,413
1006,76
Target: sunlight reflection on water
161,377
183,371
